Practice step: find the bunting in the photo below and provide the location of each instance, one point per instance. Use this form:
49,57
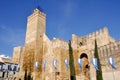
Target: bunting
111,62
18,67
66,63
95,63
36,64
80,63
44,63
55,63
12,67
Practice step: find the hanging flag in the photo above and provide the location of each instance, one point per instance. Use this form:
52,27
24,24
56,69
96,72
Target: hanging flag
36,64
80,63
18,67
44,63
0,67
11,67
4,67
67,63
54,63
95,63
111,62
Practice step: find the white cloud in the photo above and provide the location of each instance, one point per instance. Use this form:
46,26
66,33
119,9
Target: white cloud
69,8
62,31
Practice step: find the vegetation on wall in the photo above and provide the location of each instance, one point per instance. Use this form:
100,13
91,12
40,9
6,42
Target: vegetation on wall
71,63
99,72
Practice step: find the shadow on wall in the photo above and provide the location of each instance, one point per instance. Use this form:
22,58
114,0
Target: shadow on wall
27,76
71,63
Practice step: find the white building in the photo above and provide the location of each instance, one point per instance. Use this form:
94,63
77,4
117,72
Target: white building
7,67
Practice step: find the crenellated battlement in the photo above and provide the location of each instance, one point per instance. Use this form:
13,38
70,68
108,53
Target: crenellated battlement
103,31
102,36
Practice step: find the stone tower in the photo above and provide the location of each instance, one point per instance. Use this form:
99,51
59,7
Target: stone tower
33,48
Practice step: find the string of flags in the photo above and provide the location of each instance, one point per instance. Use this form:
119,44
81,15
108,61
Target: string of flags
95,64
111,62
94,61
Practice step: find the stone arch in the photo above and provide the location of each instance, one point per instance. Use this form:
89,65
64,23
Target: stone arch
83,55
85,66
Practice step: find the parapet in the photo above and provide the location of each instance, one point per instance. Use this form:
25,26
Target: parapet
97,33
102,36
59,43
37,12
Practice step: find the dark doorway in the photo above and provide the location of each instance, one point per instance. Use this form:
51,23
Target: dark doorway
83,55
3,74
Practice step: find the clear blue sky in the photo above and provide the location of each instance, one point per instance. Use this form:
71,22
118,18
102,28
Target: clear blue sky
64,17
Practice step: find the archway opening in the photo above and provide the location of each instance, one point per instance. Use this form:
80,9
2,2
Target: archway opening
85,65
83,55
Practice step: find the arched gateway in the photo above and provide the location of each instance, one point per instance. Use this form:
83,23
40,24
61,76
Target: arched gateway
85,66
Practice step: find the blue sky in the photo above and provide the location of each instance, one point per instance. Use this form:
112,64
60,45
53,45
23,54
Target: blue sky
64,17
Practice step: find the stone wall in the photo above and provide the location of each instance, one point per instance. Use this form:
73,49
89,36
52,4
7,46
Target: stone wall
107,47
102,36
56,49
106,51
48,57
60,50
17,54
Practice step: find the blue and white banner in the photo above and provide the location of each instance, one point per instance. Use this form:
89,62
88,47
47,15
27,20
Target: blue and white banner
111,62
55,64
18,67
44,64
66,63
36,64
95,63
80,62
12,67
0,67
5,67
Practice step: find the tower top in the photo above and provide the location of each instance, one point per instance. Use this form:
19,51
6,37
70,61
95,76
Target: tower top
38,9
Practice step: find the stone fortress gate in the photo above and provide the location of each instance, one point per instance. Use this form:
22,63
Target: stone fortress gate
38,47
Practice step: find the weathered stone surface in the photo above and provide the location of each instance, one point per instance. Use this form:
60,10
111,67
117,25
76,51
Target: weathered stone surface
17,54
38,47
